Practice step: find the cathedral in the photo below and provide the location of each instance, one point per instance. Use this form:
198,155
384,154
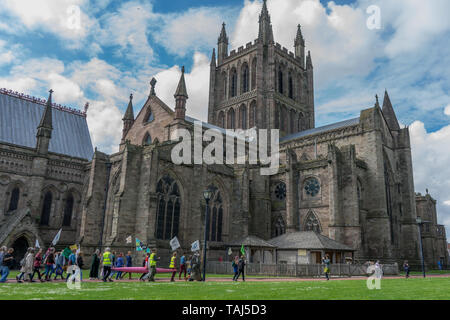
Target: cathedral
350,182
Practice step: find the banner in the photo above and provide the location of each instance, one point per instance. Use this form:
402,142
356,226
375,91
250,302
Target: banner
74,247
138,245
174,243
56,239
195,246
66,253
230,252
242,250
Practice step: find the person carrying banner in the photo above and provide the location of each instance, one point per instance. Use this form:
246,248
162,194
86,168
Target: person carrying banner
152,263
172,266
107,264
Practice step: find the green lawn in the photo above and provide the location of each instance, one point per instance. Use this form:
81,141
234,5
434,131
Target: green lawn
416,288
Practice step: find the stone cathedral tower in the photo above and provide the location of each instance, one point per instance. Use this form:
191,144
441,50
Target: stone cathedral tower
262,85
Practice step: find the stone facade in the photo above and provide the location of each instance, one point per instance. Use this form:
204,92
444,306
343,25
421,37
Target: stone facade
351,181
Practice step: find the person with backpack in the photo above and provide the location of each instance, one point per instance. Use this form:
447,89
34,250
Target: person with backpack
72,263
234,264
23,272
49,264
37,265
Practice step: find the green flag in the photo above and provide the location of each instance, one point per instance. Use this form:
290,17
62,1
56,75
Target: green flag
243,250
66,253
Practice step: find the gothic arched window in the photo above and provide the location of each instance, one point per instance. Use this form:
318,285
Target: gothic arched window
312,223
147,139
245,78
46,208
290,86
279,227
243,116
233,83
149,116
168,211
230,119
253,74
221,120
280,81
215,217
14,200
252,119
68,209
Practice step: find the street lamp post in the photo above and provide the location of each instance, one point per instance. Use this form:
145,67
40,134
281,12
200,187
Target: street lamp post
419,223
207,195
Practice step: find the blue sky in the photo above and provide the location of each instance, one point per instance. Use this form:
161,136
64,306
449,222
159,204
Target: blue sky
120,45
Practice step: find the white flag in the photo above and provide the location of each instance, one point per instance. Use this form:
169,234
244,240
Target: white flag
36,244
230,252
128,240
195,246
56,239
174,243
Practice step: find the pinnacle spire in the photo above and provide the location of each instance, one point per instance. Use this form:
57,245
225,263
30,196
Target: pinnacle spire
223,35
389,113
309,61
46,120
181,89
265,27
129,114
299,38
213,57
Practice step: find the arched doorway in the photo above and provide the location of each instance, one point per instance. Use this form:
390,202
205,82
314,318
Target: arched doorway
20,247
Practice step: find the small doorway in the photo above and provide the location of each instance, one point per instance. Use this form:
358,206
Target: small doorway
20,247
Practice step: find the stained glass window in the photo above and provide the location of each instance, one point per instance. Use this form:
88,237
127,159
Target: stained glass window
280,191
312,187
168,211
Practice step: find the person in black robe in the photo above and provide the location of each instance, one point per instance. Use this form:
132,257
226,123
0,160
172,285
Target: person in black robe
95,264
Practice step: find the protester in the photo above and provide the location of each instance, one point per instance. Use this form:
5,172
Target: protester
406,268
7,264
152,264
95,264
49,264
60,262
129,263
37,265
172,266
182,267
107,263
145,264
188,268
80,264
235,265
119,264
72,262
326,262
113,260
2,254
241,267
23,270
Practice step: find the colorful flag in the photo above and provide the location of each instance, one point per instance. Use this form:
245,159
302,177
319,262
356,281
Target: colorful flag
148,250
36,244
174,243
56,238
74,247
195,246
66,253
138,245
242,249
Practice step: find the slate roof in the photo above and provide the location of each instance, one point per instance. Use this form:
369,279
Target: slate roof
307,240
252,241
20,116
329,127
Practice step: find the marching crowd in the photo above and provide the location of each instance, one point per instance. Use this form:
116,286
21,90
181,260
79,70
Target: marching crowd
53,264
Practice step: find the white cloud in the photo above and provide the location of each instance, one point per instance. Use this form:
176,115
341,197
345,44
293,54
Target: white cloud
431,156
197,86
447,110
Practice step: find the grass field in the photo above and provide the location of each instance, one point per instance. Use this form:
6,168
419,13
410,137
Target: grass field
430,288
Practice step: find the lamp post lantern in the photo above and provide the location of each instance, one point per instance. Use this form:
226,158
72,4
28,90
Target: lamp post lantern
207,195
419,223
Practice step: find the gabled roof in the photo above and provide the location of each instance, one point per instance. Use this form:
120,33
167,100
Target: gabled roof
307,240
252,241
20,116
329,127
